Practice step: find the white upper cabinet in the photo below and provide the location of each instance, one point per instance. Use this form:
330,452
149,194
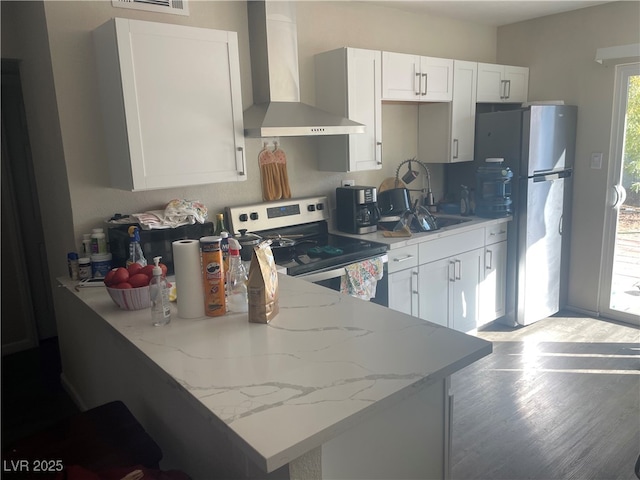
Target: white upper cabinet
171,103
502,83
447,130
415,78
349,83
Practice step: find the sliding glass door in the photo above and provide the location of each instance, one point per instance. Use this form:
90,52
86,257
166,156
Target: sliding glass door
620,279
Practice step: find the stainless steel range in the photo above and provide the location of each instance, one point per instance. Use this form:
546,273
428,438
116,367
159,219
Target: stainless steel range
302,244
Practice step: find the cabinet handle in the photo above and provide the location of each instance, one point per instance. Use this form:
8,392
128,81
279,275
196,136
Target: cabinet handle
414,273
379,145
489,264
241,169
502,89
452,264
424,92
419,83
507,93
501,232
402,259
455,148
457,270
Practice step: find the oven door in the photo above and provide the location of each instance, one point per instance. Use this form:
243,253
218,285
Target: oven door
330,278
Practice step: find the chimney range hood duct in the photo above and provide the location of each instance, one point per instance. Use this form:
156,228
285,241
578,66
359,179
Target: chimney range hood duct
277,110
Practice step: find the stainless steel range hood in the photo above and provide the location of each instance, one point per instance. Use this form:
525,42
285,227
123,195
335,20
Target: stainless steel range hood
277,110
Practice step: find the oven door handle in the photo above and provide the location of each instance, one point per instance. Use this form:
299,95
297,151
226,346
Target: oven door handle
329,274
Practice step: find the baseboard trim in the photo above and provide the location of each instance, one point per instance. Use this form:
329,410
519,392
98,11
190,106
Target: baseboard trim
582,311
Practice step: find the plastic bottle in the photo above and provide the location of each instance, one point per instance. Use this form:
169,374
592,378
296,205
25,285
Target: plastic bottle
224,246
135,249
159,293
237,299
464,200
98,241
86,245
72,263
84,268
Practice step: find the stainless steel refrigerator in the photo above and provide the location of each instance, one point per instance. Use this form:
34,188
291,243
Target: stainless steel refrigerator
538,144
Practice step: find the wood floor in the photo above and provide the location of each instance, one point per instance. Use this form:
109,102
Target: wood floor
559,399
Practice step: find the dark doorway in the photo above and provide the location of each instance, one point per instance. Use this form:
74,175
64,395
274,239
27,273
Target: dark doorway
26,287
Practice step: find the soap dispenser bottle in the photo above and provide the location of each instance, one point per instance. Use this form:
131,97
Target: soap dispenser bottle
464,200
237,298
159,293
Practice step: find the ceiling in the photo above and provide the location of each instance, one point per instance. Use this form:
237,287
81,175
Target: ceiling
491,13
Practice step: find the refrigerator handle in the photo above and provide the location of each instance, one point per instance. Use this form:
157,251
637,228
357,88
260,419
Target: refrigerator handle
561,224
551,176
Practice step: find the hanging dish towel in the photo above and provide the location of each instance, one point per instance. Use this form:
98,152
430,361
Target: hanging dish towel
361,278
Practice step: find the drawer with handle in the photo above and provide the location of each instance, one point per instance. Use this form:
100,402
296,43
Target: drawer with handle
495,233
401,258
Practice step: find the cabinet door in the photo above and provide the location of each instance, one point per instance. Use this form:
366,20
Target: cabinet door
463,112
494,286
489,88
434,279
517,84
364,69
180,118
400,76
403,291
467,275
436,79
349,83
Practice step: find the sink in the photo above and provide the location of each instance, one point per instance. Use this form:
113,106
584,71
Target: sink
449,221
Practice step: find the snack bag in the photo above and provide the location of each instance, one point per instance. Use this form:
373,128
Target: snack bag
263,284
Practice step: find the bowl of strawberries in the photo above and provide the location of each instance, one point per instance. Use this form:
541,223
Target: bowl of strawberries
129,287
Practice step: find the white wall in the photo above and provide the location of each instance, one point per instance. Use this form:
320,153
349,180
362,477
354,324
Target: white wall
60,89
560,52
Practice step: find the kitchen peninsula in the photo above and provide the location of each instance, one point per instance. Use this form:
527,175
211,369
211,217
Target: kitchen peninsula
333,387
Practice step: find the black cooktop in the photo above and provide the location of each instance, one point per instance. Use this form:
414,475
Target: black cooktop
315,249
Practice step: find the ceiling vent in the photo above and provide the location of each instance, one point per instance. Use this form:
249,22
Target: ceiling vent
177,7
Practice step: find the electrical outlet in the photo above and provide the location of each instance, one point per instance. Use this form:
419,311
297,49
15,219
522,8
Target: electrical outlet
348,183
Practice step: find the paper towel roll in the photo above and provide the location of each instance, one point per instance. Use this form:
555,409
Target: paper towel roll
189,290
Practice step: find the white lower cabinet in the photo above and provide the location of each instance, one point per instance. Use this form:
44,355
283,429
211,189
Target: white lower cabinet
403,279
449,290
449,279
493,289
403,291
458,281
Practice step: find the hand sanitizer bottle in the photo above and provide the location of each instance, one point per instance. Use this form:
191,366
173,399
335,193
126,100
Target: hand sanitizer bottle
237,299
159,292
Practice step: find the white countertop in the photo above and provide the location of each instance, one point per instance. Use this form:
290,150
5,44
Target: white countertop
471,223
326,362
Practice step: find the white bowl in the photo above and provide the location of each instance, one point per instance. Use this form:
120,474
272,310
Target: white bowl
130,298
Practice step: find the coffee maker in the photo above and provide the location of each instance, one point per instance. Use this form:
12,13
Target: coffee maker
357,209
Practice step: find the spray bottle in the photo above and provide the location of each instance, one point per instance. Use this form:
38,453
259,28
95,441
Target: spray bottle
135,250
237,299
159,292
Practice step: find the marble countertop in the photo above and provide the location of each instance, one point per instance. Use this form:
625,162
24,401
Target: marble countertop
470,223
326,362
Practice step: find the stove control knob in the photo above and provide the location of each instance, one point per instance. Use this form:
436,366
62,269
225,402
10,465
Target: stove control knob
243,217
253,216
311,208
320,206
